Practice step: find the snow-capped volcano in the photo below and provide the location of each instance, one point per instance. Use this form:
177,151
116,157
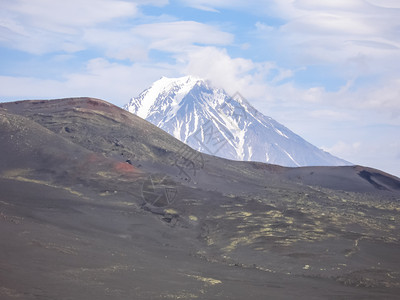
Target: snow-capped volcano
209,120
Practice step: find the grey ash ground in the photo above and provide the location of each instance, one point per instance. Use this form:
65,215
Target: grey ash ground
74,223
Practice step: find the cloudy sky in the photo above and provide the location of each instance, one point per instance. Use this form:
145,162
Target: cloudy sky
329,70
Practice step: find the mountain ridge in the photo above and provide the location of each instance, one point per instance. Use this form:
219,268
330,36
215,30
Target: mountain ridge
209,120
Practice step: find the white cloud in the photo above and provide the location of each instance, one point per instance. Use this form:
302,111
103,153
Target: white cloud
330,114
112,82
385,3
263,27
204,7
152,2
46,26
384,98
29,87
336,31
343,149
332,4
171,37
62,16
255,80
117,44
43,26
178,36
211,5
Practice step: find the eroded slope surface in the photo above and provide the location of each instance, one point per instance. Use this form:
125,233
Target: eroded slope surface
97,203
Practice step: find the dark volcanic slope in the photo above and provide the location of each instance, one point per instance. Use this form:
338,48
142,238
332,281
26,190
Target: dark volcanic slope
96,203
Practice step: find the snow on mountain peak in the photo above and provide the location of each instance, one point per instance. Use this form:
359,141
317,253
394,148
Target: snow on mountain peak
142,105
210,120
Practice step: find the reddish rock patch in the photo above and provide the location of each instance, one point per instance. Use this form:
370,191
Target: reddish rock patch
123,167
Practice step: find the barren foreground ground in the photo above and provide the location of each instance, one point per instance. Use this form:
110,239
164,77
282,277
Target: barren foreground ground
96,203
